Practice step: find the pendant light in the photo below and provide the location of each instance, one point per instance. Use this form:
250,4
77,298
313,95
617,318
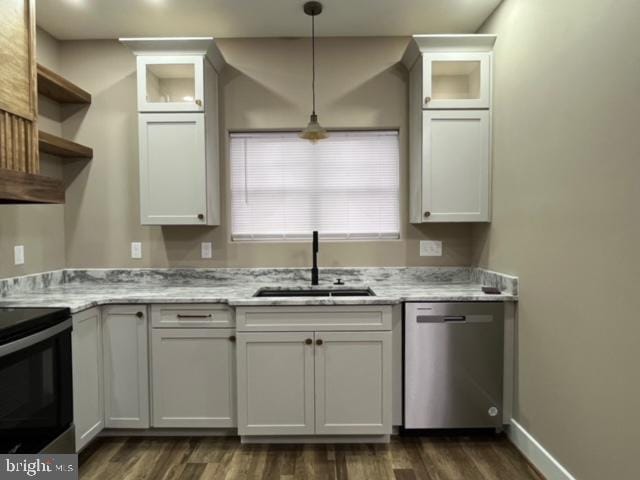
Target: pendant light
314,131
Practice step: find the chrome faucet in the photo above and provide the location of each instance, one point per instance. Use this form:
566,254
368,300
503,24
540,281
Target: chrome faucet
314,269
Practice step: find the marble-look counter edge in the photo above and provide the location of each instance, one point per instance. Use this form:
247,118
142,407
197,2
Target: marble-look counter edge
80,305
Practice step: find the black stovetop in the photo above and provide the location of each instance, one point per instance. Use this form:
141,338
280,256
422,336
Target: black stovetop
16,323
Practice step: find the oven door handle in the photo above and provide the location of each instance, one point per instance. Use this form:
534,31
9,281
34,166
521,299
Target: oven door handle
26,342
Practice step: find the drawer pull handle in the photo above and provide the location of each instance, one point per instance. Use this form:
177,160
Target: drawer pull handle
180,315
319,342
308,341
232,338
139,314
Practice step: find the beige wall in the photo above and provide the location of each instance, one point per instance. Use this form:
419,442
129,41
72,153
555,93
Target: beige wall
266,86
39,228
566,198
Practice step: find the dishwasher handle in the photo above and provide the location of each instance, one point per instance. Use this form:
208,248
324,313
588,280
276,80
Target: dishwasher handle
454,319
441,318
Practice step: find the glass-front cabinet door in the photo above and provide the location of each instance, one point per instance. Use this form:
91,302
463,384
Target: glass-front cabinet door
456,80
172,83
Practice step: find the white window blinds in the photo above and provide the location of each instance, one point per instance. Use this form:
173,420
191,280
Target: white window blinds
346,187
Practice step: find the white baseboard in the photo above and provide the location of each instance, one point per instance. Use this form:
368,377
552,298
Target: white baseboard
536,453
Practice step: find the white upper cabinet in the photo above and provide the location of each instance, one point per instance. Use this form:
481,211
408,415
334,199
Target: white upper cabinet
450,127
455,165
173,169
171,83
178,119
454,80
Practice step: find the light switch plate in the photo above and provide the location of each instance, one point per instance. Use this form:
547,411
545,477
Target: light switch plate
206,250
18,255
430,248
136,250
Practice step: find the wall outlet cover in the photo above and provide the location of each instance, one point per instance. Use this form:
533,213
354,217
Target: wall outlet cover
136,250
18,254
206,250
430,248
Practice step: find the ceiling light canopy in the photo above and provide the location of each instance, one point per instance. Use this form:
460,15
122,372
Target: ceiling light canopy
314,130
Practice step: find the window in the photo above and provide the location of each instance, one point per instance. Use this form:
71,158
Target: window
346,187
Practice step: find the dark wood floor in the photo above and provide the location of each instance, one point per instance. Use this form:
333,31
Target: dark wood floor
406,458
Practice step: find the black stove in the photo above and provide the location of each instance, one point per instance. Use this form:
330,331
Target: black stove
36,395
19,322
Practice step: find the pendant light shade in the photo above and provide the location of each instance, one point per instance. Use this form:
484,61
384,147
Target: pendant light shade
314,131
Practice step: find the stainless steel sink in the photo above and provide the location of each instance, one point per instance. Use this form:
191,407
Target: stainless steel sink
314,292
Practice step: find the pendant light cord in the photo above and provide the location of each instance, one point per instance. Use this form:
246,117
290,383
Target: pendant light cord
313,62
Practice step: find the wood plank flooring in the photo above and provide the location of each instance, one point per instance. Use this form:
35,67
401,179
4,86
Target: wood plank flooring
224,458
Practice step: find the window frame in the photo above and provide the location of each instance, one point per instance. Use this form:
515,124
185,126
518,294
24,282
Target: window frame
292,238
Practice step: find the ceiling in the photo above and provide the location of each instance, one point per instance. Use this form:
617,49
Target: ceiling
92,19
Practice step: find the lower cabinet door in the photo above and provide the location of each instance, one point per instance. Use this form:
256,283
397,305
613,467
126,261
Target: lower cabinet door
193,377
126,366
353,383
275,383
88,394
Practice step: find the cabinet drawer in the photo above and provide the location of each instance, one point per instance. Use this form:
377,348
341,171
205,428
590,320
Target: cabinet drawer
191,316
314,318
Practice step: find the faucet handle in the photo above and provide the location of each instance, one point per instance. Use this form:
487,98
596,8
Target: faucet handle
338,282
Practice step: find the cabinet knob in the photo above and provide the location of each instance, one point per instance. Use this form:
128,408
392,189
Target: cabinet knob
427,214
427,99
139,314
201,216
319,342
232,338
199,102
308,341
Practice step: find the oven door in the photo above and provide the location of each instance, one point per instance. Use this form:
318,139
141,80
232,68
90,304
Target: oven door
36,402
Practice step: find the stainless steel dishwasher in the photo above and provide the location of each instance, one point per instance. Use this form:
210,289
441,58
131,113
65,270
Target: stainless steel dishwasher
453,365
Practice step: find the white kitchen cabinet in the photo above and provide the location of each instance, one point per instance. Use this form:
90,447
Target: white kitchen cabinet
275,383
455,165
453,80
126,368
193,377
353,383
178,133
450,127
88,393
177,176
171,83
314,381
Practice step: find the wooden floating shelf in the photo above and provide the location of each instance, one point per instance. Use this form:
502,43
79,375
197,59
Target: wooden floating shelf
20,187
61,147
58,88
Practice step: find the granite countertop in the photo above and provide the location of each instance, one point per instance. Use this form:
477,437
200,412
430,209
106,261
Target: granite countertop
82,289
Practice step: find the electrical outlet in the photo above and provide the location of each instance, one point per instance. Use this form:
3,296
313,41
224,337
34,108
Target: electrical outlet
136,250
430,248
206,250
18,254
